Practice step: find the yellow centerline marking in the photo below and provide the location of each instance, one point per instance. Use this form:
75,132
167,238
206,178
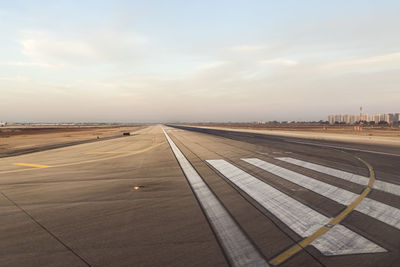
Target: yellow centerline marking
32,165
113,157
108,152
101,153
134,152
308,240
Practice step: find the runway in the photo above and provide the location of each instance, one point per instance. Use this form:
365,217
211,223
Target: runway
181,196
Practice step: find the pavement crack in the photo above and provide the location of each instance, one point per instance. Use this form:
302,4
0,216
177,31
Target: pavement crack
46,230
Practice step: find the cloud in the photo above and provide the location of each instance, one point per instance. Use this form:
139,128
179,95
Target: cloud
45,48
239,84
108,47
217,91
381,62
14,78
212,65
25,64
280,62
247,48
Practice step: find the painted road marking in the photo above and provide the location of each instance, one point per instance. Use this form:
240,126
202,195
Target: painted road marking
101,153
344,148
351,177
134,152
236,245
370,207
299,217
32,165
107,152
282,257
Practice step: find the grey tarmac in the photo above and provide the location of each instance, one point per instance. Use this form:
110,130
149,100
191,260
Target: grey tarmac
127,201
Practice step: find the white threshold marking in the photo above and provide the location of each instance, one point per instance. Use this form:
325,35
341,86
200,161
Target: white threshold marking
299,217
345,148
236,245
351,177
377,210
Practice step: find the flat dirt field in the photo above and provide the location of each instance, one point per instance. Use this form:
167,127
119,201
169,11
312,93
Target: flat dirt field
15,139
382,135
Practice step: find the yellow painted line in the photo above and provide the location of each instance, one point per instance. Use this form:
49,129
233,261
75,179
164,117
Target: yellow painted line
308,240
371,172
113,157
134,152
32,165
101,153
109,152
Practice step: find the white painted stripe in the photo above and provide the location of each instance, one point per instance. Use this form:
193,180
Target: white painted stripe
299,217
370,207
345,148
351,177
238,248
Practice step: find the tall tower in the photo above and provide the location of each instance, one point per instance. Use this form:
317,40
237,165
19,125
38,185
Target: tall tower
360,113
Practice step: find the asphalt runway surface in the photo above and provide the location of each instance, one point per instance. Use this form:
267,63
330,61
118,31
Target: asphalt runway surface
181,196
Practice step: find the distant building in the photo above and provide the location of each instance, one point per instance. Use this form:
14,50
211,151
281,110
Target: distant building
331,119
2,124
346,118
376,118
354,119
364,117
391,118
397,118
394,118
338,118
385,117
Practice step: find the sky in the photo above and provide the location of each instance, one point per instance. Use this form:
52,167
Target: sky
197,61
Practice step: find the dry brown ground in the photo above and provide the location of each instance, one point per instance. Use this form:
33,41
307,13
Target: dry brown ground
334,129
378,135
25,137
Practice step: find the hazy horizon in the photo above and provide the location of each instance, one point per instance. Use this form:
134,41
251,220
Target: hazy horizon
163,61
